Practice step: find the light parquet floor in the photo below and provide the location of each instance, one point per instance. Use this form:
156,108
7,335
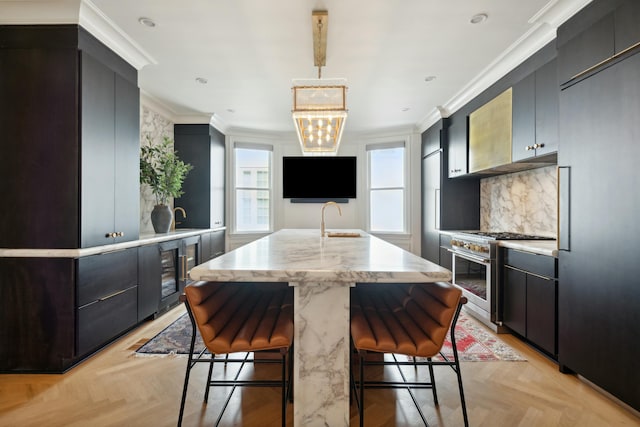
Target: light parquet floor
113,388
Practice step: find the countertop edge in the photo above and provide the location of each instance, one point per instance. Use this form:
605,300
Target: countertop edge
144,239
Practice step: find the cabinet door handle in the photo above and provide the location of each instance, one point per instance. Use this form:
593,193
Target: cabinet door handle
183,262
564,208
530,273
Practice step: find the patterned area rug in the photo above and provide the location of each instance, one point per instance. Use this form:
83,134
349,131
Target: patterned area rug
475,342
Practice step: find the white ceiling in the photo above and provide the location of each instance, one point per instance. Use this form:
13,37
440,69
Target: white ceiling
250,50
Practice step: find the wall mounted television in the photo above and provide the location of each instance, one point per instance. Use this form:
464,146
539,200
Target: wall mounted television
319,179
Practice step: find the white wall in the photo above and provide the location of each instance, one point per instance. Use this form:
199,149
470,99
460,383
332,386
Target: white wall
354,213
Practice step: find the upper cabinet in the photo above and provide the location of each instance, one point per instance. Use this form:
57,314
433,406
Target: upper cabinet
535,114
69,109
598,33
203,200
109,194
457,146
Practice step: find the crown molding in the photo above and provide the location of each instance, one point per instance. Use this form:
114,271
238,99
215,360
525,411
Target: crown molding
104,29
153,103
544,27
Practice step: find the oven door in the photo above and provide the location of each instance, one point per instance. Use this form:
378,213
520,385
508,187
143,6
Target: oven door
473,274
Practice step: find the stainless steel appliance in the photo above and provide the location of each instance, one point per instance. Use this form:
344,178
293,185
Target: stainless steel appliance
475,270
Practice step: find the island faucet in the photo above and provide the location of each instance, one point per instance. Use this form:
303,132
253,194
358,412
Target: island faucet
322,221
184,216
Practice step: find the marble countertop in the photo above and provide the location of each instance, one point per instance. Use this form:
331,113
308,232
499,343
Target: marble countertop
302,255
540,247
145,239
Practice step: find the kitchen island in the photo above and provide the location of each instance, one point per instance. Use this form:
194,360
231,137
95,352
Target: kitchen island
321,270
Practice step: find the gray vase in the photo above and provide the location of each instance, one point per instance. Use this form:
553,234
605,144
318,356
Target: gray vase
161,218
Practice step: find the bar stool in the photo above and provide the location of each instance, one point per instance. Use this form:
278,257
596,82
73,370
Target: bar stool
240,318
405,319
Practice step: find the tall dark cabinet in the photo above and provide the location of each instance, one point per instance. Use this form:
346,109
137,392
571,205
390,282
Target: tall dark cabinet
447,204
599,292
69,114
203,147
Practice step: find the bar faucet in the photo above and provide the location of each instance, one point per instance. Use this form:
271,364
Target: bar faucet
184,216
322,221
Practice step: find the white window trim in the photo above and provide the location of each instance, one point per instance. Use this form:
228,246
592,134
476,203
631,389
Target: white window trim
256,144
383,144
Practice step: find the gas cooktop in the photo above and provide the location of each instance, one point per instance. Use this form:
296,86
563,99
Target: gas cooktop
503,235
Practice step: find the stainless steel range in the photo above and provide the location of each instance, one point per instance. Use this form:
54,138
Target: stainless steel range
474,267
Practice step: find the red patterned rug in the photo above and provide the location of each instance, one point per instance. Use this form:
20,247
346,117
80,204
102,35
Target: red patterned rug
475,342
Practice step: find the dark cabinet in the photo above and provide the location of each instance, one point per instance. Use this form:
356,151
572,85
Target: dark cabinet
535,115
164,272
447,204
63,309
37,314
69,106
602,30
457,147
529,295
149,269
599,294
204,148
213,244
109,156
107,302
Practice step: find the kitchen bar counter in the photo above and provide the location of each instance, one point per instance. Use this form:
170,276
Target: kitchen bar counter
321,270
144,239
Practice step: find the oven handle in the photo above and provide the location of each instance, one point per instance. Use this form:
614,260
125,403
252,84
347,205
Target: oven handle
469,257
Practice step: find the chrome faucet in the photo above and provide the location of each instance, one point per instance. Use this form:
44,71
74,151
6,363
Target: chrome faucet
184,216
322,221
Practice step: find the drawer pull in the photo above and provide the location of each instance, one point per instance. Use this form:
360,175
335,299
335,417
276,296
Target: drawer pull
116,293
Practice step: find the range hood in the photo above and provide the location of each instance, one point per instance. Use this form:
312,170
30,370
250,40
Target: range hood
490,139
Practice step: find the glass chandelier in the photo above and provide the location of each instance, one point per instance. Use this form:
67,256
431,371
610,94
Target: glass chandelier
319,106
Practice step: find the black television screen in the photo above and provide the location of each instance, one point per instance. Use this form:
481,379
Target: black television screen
324,178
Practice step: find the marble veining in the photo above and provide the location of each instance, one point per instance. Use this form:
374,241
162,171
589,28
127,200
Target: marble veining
154,126
322,270
523,202
322,354
301,255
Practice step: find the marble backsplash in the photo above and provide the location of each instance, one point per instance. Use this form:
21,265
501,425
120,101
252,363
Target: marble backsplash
154,126
522,202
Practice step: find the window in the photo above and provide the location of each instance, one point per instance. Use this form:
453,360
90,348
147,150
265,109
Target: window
386,168
252,187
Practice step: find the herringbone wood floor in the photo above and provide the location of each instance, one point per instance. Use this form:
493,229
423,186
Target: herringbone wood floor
115,389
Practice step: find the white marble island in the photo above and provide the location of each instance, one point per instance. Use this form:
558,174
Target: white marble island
321,270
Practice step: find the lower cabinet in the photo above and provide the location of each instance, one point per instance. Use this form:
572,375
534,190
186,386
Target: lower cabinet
529,294
58,311
163,269
107,304
212,245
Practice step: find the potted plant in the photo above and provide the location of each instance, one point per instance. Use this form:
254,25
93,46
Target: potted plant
164,172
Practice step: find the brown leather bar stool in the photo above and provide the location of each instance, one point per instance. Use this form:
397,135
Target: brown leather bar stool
405,319
240,318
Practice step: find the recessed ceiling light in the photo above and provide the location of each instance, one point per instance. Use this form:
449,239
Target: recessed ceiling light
429,78
479,18
148,22
202,80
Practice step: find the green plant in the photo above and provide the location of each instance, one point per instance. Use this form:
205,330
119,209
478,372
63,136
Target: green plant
162,170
